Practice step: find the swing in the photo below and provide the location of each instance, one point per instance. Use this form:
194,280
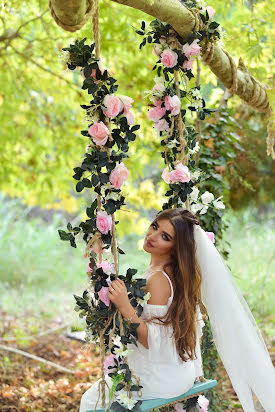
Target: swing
101,226
196,390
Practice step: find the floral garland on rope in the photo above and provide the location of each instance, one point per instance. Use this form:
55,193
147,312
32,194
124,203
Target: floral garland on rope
110,131
180,140
180,144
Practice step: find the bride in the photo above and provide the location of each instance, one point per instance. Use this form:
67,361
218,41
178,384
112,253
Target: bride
187,269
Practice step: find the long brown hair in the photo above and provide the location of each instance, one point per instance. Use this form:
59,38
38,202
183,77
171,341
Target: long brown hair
187,280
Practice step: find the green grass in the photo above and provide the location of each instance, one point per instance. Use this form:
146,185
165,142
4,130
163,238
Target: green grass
39,273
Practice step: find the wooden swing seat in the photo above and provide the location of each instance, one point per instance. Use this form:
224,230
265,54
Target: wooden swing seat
196,390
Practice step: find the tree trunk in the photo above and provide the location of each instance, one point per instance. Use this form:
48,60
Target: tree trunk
72,14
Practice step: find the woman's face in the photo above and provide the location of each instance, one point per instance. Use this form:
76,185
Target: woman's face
159,238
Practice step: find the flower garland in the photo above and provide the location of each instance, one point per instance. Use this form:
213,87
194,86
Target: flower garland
179,140
110,131
176,57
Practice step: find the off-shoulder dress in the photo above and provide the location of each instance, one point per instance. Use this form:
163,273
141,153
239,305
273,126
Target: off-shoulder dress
161,371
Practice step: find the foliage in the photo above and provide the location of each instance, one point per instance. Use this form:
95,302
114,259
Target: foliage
36,167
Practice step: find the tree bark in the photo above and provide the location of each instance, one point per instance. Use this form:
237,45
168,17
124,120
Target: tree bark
71,13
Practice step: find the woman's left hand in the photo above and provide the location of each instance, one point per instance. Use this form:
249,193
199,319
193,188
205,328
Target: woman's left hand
118,294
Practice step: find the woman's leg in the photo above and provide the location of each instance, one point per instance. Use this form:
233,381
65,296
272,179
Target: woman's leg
90,397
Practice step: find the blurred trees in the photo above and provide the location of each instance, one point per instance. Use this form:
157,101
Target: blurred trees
41,119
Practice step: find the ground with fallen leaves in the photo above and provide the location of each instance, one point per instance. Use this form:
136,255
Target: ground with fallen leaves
28,385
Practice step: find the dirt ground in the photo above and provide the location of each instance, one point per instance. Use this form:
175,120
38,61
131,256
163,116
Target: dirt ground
30,386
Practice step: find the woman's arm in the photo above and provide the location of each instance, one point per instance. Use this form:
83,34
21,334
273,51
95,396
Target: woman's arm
159,288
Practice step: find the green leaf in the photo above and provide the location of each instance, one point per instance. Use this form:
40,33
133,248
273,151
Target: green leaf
79,186
213,25
95,180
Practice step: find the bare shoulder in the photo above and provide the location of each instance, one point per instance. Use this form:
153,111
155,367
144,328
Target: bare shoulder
159,287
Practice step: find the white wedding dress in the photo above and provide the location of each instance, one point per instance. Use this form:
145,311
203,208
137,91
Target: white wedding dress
161,371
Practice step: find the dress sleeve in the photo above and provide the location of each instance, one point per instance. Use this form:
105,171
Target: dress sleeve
198,362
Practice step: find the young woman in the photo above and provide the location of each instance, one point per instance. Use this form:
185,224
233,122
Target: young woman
186,269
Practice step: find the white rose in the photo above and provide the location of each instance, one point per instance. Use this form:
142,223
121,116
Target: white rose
203,210
207,197
196,207
218,204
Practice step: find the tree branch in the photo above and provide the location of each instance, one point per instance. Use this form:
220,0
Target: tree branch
34,357
182,20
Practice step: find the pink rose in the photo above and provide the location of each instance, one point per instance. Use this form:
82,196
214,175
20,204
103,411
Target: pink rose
169,58
180,174
210,11
188,64
130,118
103,222
211,236
172,104
109,361
191,49
99,132
127,103
203,403
118,175
156,113
106,266
103,295
157,49
157,102
114,105
161,125
166,175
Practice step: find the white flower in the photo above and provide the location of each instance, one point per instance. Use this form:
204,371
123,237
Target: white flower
107,186
172,143
65,56
125,400
122,353
144,301
194,194
203,210
195,149
196,93
195,175
197,104
113,196
218,204
207,197
196,207
117,341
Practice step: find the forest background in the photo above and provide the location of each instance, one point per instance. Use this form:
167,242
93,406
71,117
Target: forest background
41,143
